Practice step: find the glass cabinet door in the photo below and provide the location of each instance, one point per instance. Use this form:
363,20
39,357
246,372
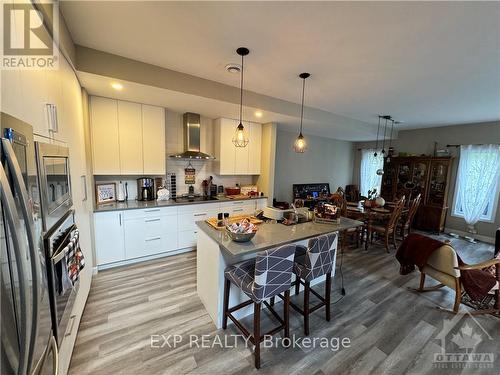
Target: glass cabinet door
437,183
419,180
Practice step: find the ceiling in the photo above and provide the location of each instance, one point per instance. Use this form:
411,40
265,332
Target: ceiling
428,64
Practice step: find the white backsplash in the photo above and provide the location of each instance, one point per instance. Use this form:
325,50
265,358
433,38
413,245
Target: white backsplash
203,171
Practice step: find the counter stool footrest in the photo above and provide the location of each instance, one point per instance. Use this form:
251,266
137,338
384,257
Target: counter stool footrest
275,314
240,306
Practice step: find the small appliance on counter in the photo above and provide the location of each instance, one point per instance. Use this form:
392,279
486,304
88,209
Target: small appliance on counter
145,189
121,193
220,190
274,213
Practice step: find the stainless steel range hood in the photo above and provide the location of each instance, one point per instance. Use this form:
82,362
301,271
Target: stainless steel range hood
191,124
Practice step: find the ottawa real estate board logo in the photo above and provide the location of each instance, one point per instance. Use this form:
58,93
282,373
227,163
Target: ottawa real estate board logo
30,35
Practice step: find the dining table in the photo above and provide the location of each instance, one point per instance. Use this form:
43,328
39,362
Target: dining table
357,210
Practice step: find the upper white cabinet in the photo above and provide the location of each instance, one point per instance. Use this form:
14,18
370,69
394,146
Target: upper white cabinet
105,138
231,160
127,138
130,137
153,136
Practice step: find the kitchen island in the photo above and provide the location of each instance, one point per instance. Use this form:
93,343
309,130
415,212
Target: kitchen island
215,251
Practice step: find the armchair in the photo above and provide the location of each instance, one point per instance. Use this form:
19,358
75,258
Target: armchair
443,266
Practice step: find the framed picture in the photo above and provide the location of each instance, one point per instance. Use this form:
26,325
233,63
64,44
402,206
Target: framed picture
105,193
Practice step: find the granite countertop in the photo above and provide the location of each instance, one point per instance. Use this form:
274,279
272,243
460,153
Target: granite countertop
273,235
137,205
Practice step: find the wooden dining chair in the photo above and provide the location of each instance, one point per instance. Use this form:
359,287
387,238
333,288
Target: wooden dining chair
389,228
351,234
407,221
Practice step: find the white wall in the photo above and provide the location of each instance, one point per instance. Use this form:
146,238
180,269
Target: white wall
326,160
421,141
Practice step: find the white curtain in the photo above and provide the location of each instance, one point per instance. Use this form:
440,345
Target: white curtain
369,166
478,174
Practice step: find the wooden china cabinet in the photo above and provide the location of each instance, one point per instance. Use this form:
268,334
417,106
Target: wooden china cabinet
413,175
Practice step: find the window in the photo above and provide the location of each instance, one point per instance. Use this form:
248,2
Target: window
369,179
477,187
488,213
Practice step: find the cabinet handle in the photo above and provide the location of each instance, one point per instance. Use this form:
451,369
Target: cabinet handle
68,332
204,214
153,239
120,215
238,210
150,220
152,210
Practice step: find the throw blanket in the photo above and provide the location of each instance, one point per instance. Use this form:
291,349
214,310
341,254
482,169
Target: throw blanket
416,249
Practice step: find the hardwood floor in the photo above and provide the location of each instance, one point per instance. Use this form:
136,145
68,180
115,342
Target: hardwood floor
392,330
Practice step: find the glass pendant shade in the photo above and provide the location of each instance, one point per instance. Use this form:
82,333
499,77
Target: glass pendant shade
240,138
300,144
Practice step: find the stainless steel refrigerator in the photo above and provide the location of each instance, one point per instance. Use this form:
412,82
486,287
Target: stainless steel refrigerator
27,343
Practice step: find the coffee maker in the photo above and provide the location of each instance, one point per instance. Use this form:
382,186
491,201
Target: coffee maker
145,189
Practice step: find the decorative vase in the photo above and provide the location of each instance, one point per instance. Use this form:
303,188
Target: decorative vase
380,201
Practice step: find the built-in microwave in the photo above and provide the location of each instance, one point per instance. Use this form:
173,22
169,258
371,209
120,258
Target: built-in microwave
55,182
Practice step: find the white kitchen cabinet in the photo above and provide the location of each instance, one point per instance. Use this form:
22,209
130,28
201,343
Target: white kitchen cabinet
109,237
254,148
150,231
130,138
127,138
153,138
105,139
231,160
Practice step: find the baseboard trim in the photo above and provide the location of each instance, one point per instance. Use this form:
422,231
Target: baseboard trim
143,259
478,237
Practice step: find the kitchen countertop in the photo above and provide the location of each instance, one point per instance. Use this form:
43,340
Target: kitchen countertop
137,205
273,235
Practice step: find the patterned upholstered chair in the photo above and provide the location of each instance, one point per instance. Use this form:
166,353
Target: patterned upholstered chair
317,260
269,274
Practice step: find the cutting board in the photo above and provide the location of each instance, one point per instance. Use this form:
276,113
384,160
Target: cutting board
238,196
233,219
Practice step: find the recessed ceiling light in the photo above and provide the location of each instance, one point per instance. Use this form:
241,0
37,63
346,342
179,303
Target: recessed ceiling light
233,68
117,86
258,114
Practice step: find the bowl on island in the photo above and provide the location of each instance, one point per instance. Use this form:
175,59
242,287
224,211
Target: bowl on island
243,231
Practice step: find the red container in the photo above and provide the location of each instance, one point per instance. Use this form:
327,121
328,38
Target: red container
233,190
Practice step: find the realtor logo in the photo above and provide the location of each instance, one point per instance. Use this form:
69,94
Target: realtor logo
30,35
462,342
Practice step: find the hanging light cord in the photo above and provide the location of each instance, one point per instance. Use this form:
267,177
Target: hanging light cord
392,128
302,105
241,90
383,141
378,129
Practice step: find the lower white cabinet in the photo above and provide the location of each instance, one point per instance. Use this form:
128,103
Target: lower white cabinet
126,235
150,234
109,237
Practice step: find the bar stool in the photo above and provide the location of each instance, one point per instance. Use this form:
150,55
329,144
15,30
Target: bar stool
269,274
316,260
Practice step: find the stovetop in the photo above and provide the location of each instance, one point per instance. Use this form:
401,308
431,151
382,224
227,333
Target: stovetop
194,198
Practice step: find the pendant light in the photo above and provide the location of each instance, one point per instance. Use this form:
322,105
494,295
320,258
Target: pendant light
240,138
300,144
